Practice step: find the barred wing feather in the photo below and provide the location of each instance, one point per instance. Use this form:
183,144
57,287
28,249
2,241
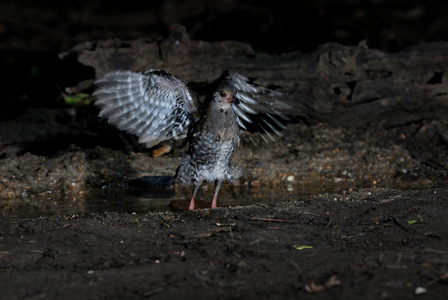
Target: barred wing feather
155,105
258,107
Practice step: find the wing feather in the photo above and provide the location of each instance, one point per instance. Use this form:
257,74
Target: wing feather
256,107
155,105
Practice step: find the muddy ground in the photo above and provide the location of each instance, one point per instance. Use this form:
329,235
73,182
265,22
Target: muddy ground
322,212
363,241
373,243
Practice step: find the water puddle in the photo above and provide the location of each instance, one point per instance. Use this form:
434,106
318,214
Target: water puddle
155,194
152,194
138,201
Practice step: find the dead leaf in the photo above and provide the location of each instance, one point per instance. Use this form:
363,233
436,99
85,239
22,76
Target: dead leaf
160,151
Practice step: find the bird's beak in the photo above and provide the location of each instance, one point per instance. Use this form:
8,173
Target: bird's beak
230,99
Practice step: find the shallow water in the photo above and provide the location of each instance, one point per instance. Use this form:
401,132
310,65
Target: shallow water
139,201
155,194
152,194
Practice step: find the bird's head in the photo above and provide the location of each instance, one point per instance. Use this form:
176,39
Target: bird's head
224,97
224,92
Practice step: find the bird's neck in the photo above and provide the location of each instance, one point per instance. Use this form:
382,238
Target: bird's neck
221,122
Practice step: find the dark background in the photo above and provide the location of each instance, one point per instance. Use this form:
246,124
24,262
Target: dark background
32,33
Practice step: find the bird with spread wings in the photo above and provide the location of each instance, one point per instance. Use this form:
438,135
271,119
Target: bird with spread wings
157,106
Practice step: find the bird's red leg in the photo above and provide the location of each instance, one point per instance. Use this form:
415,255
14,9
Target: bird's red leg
214,201
191,207
215,196
196,186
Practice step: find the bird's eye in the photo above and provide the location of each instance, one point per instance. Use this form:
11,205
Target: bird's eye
222,94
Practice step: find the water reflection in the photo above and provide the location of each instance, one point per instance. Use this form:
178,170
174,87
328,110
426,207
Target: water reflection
155,193
148,194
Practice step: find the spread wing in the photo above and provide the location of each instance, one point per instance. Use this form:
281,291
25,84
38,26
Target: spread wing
257,107
155,106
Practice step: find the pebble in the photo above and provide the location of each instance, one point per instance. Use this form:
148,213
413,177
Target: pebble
420,290
255,183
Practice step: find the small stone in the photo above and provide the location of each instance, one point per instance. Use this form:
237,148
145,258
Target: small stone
420,290
255,183
290,178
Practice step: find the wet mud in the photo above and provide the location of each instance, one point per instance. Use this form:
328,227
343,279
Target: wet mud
371,243
339,213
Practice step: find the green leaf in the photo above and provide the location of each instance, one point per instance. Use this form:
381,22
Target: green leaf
77,99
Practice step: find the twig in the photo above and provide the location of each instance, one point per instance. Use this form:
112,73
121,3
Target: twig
274,220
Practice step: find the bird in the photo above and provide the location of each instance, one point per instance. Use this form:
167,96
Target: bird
157,106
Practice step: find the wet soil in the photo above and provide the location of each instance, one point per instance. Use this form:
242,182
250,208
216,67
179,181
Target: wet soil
305,160
362,241
372,243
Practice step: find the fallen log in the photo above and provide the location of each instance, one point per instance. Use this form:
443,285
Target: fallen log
350,86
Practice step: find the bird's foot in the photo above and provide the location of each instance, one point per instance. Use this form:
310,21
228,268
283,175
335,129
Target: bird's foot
191,207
